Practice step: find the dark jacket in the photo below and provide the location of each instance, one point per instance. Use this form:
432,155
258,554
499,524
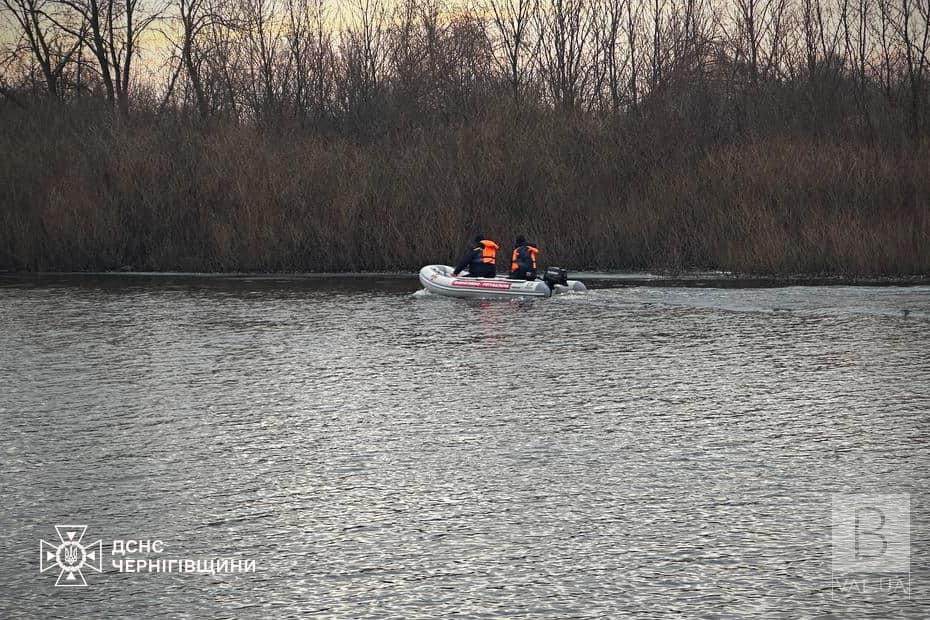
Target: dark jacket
523,261
476,261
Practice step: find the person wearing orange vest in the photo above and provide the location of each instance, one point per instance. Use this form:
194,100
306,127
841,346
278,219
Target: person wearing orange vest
523,261
480,261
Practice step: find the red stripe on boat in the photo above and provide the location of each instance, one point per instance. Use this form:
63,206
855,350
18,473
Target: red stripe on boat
480,284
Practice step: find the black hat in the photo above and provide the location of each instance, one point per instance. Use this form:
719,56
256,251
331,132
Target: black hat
520,240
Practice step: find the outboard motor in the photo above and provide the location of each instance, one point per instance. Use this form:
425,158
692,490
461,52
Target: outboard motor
555,275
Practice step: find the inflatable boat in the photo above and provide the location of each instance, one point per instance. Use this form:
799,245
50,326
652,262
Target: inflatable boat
438,279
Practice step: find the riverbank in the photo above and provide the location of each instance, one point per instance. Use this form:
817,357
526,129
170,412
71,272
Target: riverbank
90,191
408,281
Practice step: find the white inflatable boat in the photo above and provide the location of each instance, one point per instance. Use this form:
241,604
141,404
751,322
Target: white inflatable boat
438,279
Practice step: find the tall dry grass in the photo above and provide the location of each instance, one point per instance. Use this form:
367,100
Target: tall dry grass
84,189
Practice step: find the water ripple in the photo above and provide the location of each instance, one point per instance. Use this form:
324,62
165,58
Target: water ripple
634,451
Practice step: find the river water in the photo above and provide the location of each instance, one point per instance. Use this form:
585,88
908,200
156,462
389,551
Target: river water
640,450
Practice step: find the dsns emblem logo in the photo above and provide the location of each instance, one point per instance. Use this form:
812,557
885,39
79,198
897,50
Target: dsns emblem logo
70,555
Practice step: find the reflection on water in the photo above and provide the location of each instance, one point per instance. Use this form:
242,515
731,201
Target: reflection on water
633,451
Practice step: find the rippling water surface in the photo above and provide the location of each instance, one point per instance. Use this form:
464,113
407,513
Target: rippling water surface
639,450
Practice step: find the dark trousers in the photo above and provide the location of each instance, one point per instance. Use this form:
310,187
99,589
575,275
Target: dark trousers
481,270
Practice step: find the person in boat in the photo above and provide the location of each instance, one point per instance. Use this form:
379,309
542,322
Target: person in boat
480,261
523,261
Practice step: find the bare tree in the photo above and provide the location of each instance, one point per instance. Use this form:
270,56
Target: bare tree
913,29
512,20
195,16
363,53
311,48
633,26
566,30
268,66
751,19
50,46
111,30
608,26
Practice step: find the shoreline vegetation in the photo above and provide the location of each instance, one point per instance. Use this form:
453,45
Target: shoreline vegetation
756,138
601,280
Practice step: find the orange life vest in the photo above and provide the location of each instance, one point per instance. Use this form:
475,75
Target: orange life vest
516,258
488,251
